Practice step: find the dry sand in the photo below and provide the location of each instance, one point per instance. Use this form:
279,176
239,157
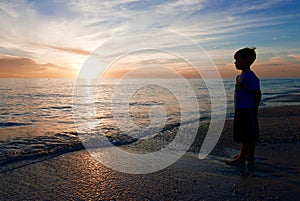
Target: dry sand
77,176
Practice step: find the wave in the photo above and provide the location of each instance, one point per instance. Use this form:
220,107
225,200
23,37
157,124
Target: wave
12,124
145,103
18,149
41,147
287,98
61,107
56,107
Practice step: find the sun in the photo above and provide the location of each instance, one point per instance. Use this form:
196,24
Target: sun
91,68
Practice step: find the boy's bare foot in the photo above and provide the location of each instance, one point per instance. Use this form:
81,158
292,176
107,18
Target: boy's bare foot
236,156
236,162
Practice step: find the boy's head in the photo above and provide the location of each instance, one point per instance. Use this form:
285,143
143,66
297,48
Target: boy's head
244,58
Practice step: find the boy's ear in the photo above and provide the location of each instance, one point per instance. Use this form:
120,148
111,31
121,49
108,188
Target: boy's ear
248,60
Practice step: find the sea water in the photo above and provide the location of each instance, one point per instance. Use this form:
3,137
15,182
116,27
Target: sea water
37,115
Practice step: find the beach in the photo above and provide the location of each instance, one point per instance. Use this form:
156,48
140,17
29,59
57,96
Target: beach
77,176
139,100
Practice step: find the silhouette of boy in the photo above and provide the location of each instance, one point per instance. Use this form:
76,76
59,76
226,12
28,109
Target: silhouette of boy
247,97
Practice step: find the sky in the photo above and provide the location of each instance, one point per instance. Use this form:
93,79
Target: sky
54,38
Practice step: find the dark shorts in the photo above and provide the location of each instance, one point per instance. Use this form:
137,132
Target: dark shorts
245,128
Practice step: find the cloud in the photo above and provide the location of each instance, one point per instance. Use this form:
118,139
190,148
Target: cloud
294,56
24,31
71,50
25,67
285,59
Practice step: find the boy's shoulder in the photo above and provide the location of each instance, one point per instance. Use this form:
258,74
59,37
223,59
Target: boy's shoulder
251,76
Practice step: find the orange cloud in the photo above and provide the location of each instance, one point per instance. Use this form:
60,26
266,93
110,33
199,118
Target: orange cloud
294,56
71,50
277,70
20,67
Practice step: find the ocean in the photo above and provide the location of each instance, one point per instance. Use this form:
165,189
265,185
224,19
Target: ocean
37,116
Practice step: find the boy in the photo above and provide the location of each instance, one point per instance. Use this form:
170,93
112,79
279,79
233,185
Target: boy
247,97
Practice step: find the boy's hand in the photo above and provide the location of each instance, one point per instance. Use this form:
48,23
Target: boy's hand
257,97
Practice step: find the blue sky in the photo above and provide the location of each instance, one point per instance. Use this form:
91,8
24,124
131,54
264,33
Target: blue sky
54,38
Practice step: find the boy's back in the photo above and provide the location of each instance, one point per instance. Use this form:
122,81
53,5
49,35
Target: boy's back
246,83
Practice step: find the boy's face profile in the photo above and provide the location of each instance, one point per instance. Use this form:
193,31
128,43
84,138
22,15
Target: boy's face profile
241,63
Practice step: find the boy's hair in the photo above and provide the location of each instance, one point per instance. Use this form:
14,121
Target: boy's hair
248,52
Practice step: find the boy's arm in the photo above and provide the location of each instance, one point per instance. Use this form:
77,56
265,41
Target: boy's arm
257,98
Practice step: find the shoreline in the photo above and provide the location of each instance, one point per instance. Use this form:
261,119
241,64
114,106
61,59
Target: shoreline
76,175
275,119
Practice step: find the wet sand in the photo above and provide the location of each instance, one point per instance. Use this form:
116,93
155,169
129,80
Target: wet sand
77,176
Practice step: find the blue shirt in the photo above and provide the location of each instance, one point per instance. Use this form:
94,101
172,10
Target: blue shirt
246,83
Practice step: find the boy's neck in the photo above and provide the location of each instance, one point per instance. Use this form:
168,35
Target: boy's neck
246,70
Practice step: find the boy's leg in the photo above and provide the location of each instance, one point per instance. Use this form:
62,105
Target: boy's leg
250,149
250,155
